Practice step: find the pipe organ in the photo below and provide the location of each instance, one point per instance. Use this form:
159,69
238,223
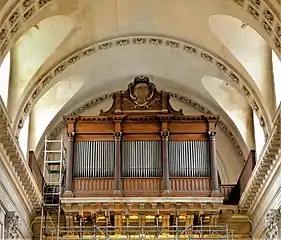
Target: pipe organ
142,163
142,143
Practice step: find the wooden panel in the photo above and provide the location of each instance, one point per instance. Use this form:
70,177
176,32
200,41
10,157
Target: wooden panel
188,127
189,137
190,184
94,127
93,186
94,137
136,186
141,137
225,190
35,169
141,127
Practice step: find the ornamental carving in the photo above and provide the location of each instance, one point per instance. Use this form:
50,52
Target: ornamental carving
11,225
141,97
272,221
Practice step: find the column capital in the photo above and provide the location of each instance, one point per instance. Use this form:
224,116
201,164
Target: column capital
70,136
212,135
118,135
165,135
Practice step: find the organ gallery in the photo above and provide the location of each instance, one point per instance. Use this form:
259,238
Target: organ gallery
143,167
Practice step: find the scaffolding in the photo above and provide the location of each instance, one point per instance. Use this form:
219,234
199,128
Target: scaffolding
146,232
51,229
53,172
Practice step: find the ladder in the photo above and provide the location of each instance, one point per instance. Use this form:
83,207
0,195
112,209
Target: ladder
53,172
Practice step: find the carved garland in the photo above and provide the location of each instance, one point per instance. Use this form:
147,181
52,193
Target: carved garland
182,99
231,73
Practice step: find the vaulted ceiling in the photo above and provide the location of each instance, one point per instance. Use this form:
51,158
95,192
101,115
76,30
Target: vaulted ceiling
213,56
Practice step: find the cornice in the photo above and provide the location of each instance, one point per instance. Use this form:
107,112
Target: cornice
266,168
16,159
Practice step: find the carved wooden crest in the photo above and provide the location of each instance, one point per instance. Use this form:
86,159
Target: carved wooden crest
141,97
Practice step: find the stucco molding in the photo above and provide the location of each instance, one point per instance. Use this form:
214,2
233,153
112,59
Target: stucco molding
14,154
46,80
265,170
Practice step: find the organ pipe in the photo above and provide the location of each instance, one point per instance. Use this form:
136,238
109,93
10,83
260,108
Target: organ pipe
94,159
141,159
189,159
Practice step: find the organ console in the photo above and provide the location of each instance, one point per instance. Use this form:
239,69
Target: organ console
141,146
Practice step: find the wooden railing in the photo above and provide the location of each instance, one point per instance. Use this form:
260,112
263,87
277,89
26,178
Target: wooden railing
35,169
247,171
148,187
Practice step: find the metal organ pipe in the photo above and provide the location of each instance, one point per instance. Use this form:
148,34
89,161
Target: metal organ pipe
141,159
189,159
94,159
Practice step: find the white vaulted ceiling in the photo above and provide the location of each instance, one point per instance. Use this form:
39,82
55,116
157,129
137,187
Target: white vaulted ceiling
65,53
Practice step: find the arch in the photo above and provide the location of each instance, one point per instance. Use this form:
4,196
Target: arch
46,79
234,105
29,54
244,42
48,106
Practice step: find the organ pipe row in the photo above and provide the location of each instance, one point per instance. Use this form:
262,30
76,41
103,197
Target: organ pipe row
94,159
141,159
189,159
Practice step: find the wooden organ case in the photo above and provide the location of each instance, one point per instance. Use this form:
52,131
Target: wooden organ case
142,163
141,146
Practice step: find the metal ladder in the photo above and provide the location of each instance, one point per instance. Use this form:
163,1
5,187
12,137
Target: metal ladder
53,172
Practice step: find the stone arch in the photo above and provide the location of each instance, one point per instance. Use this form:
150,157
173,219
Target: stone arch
45,80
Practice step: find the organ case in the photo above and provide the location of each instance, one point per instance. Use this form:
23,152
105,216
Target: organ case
141,146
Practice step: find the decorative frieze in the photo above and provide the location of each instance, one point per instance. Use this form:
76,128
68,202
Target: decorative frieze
14,155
